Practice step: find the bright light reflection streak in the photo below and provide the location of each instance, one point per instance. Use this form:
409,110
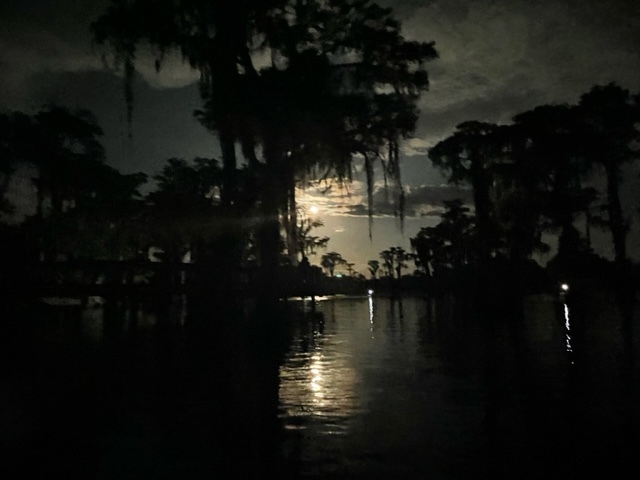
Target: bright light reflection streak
318,383
371,314
567,325
317,379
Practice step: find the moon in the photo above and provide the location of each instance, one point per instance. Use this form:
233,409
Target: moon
313,209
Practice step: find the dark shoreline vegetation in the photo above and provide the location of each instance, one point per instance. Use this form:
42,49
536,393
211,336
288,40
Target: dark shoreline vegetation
93,227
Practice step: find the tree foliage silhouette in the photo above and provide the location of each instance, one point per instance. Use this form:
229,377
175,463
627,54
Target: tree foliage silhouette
83,205
388,261
449,245
536,175
374,266
551,149
609,119
472,154
308,244
330,261
342,81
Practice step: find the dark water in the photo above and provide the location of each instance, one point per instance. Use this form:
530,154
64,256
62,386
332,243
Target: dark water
362,388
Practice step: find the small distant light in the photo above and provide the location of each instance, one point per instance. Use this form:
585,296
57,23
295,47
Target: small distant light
370,292
564,287
338,275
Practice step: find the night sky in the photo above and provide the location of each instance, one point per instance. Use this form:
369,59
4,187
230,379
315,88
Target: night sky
497,59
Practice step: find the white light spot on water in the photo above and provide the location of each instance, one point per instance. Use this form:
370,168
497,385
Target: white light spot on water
567,326
370,309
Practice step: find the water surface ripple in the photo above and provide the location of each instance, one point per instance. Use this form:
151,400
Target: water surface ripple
380,388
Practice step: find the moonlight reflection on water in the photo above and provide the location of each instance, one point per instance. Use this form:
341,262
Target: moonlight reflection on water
314,386
433,393
438,392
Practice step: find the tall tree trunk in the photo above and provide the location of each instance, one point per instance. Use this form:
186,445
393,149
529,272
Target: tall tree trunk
269,229
569,239
616,220
228,191
223,89
292,215
40,218
482,205
4,185
587,228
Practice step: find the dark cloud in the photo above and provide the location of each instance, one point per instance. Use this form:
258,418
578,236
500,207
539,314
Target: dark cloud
53,36
43,35
499,58
421,201
67,20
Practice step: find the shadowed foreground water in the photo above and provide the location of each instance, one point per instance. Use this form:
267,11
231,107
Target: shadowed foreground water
363,388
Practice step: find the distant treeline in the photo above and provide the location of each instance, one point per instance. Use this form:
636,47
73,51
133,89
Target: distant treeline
534,176
556,169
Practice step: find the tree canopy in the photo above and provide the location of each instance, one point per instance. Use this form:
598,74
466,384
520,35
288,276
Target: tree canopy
340,81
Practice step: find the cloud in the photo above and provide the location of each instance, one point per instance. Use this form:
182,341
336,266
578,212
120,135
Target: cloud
425,190
421,201
48,37
500,58
35,37
415,146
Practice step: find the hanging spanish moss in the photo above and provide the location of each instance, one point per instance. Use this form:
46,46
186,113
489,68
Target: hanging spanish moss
368,167
309,106
393,170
